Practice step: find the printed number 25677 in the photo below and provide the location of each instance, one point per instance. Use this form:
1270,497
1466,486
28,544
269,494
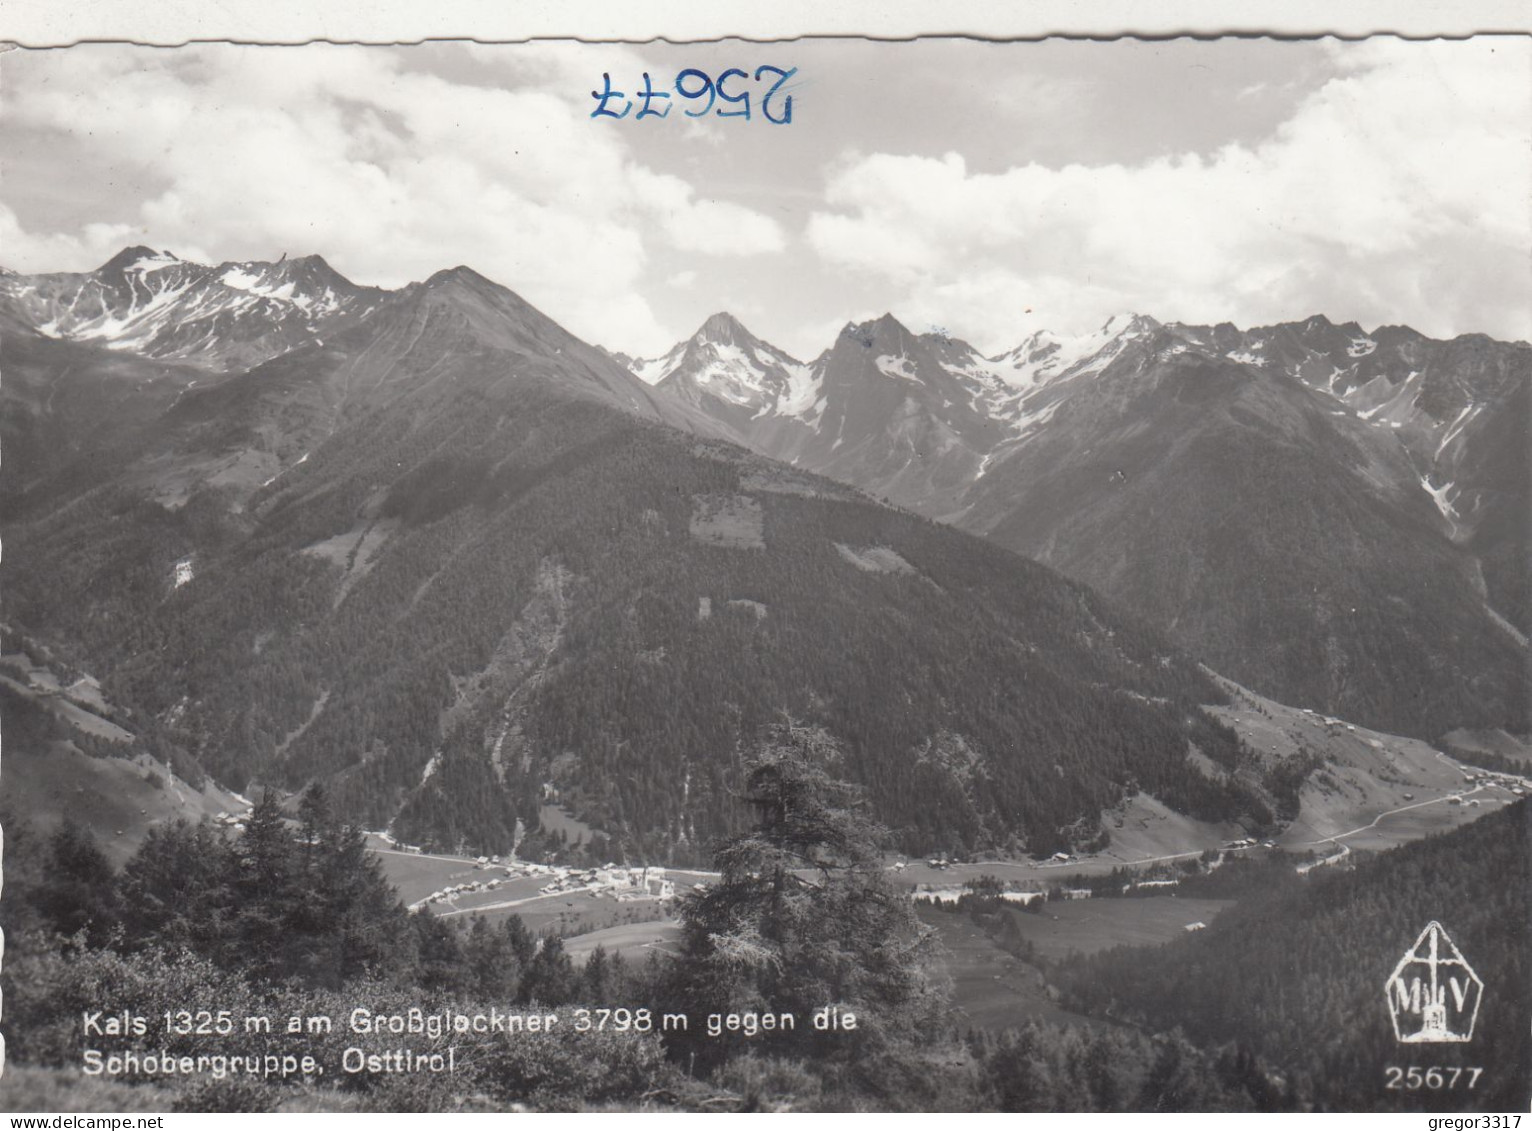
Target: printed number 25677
694,86
1433,1079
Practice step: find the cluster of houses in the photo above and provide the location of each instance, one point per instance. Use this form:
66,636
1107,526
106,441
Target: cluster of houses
610,880
1479,779
1513,782
451,890
1248,842
234,821
930,894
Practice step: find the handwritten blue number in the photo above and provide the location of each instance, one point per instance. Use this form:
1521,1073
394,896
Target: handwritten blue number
649,94
707,89
787,101
606,95
743,96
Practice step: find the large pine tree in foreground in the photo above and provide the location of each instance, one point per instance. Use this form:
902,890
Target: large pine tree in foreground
803,916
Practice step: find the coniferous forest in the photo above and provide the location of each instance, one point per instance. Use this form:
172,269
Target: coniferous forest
1277,1006
614,611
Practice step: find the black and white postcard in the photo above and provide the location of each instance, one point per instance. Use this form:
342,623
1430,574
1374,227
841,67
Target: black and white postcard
803,574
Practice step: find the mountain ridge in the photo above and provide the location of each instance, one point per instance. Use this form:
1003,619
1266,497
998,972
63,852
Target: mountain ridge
220,317
450,560
1427,440
605,584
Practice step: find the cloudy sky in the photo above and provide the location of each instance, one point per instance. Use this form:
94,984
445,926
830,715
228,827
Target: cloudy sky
986,189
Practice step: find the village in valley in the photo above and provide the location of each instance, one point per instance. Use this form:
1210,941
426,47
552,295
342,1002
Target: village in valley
1145,887
620,883
1160,876
573,895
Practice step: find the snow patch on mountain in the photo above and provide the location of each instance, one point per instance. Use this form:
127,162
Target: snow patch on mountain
1455,429
1440,496
286,290
725,361
973,370
1046,356
802,397
899,366
155,261
1025,421
653,370
730,373
1381,403
240,279
128,328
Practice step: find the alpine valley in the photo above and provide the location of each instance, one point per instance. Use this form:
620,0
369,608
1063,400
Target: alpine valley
265,526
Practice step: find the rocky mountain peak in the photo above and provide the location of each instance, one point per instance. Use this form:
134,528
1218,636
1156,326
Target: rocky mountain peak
723,327
138,256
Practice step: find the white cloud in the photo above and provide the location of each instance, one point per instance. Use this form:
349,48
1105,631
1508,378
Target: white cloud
28,251
711,226
1395,192
390,172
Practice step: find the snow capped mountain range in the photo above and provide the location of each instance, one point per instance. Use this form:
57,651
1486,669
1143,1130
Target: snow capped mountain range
252,365
1388,380
730,369
1430,395
726,361
1228,485
216,317
913,415
1257,494
939,405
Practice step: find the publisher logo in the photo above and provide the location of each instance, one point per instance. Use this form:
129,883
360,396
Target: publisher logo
1433,994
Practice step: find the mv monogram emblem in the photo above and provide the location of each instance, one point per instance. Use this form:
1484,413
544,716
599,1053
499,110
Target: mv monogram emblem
1433,994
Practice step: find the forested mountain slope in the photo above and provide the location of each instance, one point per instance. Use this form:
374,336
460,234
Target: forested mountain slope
1298,972
452,562
1332,518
